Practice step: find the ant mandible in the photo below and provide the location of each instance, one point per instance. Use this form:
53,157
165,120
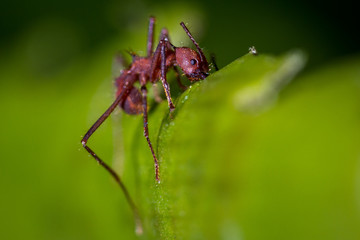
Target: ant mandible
150,69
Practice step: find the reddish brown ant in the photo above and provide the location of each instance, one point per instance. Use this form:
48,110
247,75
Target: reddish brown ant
150,69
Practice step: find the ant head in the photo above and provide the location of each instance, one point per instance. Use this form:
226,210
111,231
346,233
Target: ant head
191,63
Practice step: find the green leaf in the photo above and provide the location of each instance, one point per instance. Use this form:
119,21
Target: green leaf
196,145
242,157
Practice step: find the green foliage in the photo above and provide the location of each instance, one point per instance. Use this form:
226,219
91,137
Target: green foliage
240,158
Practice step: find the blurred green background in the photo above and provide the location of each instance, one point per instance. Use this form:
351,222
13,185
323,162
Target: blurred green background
56,78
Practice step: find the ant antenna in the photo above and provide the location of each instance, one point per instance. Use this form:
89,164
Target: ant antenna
202,56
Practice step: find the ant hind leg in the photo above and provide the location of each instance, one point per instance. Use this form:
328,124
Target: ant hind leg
116,177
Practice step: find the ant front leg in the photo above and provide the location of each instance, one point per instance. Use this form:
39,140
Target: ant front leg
159,60
146,131
163,74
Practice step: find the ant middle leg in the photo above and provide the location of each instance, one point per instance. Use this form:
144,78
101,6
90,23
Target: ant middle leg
146,131
164,35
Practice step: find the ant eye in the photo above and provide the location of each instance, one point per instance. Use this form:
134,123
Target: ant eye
193,61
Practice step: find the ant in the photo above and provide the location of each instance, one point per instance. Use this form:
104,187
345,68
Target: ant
151,68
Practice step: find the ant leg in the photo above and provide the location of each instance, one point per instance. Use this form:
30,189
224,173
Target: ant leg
164,35
163,75
146,131
88,134
159,58
150,36
177,75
